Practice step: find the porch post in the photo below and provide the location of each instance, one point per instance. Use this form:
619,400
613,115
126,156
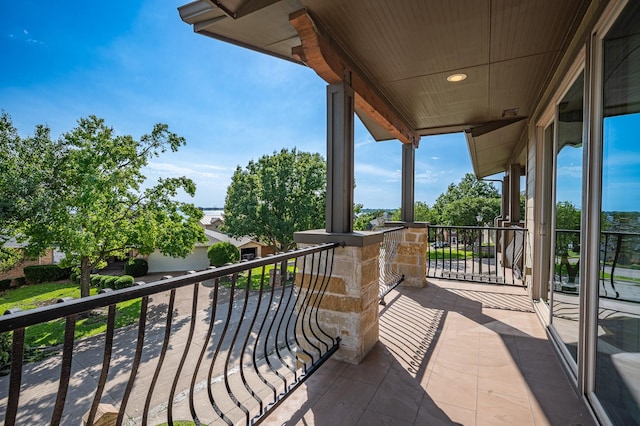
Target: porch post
340,174
514,193
408,184
349,307
411,257
504,206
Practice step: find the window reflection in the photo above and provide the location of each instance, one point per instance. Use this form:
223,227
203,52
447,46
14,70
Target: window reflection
568,190
618,348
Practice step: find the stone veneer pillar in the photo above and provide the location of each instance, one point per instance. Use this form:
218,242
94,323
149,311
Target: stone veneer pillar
411,258
349,308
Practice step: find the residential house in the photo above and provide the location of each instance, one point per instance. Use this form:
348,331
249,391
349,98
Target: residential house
49,257
198,259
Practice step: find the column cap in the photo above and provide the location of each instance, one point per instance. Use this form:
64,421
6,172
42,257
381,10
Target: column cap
407,224
352,239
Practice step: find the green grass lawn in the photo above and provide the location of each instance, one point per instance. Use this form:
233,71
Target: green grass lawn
256,278
52,333
607,276
445,253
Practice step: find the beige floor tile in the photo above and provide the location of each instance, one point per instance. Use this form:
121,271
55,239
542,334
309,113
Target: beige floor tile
452,386
494,409
442,414
444,360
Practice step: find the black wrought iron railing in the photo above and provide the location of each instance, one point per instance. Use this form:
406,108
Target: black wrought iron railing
477,253
566,260
224,345
389,277
620,265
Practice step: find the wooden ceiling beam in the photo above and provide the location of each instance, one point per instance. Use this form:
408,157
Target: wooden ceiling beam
319,52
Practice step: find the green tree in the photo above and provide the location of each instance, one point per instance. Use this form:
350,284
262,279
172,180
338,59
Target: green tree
98,207
364,219
465,211
567,219
277,195
9,258
421,213
471,195
27,177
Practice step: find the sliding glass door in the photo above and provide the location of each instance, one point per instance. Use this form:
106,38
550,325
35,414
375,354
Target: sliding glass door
617,369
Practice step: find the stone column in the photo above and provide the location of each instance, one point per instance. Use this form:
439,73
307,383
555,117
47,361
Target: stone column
349,307
411,258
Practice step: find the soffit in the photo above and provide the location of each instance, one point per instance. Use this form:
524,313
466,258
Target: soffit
491,151
508,49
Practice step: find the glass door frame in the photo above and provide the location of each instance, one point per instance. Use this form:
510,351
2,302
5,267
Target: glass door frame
593,186
547,201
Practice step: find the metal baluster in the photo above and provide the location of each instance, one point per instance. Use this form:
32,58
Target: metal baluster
15,379
163,351
106,360
187,346
136,359
65,370
228,360
205,345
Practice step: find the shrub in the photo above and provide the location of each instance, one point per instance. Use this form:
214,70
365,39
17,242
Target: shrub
223,252
94,279
36,274
5,284
136,267
75,277
110,281
5,348
123,282
19,282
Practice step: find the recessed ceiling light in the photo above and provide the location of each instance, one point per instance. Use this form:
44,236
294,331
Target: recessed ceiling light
456,77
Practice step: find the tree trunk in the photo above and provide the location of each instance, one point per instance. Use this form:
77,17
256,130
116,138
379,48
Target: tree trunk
572,270
85,276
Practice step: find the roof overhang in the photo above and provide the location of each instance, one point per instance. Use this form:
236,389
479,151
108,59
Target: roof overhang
397,57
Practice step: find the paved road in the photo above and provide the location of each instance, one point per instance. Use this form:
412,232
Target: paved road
40,379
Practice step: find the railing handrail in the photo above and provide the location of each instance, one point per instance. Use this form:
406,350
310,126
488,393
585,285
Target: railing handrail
392,229
30,317
493,228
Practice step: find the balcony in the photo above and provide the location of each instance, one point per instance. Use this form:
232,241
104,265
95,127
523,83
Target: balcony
450,353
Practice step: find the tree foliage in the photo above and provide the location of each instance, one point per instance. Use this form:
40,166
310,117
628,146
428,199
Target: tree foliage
567,219
363,221
274,197
421,213
462,202
27,176
87,196
9,258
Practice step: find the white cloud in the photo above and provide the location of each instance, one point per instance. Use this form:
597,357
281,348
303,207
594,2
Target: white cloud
364,141
570,171
435,158
377,171
427,177
172,170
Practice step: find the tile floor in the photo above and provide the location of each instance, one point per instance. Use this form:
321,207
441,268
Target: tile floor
451,353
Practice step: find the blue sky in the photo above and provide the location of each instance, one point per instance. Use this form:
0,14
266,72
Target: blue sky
135,63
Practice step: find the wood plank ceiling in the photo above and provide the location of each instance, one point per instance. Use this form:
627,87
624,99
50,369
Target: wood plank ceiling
508,50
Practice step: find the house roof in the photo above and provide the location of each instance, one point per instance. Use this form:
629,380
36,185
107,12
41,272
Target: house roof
208,219
215,236
403,52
